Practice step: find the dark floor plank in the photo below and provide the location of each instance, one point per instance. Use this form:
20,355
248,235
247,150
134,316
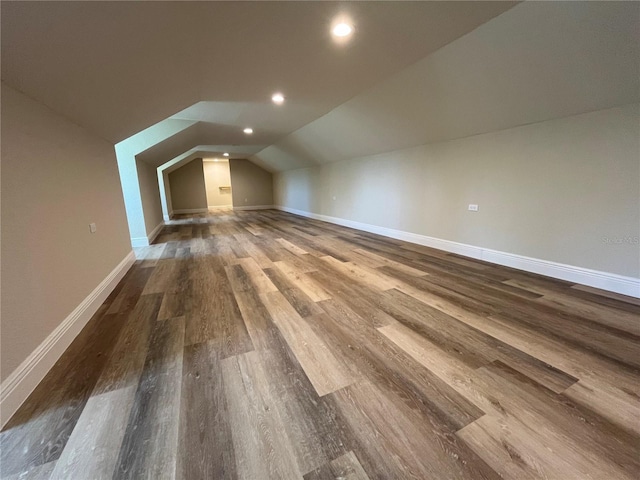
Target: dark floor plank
150,441
345,467
38,432
205,447
318,351
92,448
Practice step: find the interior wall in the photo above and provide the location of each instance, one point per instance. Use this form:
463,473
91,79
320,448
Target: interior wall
252,186
564,190
56,179
216,175
149,195
188,191
535,62
126,152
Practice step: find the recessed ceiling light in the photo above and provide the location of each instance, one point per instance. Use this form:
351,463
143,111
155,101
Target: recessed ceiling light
248,130
225,154
277,98
342,29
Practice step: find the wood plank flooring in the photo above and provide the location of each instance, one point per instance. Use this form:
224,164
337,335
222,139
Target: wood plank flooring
262,345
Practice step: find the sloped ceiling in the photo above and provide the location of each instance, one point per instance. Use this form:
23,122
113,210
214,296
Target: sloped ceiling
539,60
414,72
117,68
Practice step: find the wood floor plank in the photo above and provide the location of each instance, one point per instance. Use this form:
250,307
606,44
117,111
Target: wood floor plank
214,312
304,282
257,276
150,255
261,449
325,372
469,344
371,260
254,251
557,437
362,274
150,443
260,344
304,305
315,435
205,448
383,363
291,247
92,448
40,472
128,296
346,467
414,449
606,298
361,300
54,407
162,277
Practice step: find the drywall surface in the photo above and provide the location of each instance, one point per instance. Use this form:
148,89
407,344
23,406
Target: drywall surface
149,195
126,152
535,62
56,179
216,175
252,185
188,191
564,190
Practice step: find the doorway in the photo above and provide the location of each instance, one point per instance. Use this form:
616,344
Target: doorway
217,181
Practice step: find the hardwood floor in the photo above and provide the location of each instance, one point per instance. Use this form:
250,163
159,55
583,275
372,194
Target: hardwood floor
263,345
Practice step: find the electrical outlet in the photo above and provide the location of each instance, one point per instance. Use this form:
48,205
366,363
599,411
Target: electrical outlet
92,227
473,207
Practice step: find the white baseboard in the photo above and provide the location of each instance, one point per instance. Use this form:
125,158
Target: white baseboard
167,218
606,281
213,207
255,207
148,240
190,210
155,232
24,379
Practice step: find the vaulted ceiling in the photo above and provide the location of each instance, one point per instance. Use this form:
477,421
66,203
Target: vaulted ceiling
117,68
414,72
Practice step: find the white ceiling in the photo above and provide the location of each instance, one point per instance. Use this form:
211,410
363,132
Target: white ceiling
537,61
193,74
117,68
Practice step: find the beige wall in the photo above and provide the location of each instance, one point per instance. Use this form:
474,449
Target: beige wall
150,195
555,190
535,62
216,175
252,185
56,179
188,191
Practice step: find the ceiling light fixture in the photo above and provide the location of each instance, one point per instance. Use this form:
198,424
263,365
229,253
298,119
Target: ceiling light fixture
277,98
225,154
342,29
248,130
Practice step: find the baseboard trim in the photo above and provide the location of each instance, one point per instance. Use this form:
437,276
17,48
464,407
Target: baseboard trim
185,211
213,207
24,379
148,240
255,207
155,232
594,278
167,218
